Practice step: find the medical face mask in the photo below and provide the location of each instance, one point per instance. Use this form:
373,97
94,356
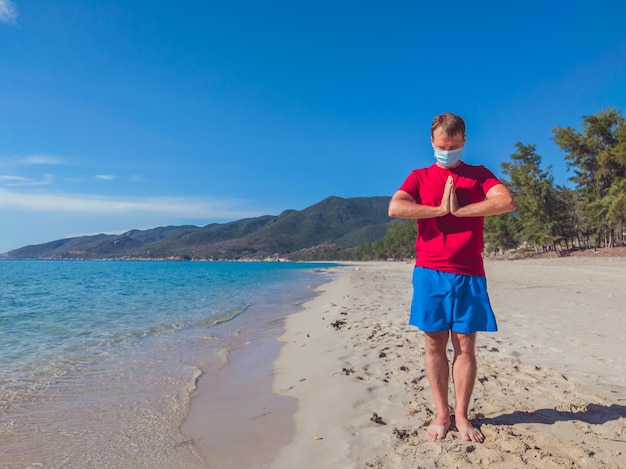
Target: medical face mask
448,158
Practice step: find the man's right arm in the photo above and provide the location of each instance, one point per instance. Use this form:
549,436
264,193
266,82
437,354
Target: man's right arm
402,205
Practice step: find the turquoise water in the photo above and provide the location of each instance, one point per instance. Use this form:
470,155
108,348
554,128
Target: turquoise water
99,358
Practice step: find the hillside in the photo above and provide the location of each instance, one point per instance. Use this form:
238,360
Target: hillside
330,225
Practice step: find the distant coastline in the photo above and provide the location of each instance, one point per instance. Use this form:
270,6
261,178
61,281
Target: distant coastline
330,226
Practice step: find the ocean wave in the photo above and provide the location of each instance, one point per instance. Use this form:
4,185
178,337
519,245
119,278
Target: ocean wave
223,317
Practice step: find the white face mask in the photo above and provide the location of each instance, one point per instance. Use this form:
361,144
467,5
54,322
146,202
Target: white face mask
448,158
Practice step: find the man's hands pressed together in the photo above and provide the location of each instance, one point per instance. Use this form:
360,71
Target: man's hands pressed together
449,201
497,200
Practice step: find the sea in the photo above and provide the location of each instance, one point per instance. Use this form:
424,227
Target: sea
99,360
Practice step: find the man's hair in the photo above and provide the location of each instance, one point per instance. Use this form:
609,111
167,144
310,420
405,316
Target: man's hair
450,123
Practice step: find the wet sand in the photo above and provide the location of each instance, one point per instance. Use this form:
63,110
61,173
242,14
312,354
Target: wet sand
235,419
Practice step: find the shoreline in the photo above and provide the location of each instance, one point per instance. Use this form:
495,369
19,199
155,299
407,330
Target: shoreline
550,390
234,418
231,408
116,354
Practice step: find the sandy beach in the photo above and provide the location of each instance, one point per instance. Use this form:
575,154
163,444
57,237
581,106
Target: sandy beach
551,385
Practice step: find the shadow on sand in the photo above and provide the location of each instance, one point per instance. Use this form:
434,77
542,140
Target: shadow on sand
593,414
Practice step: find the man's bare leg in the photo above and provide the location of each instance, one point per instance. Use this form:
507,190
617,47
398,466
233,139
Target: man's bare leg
438,374
464,377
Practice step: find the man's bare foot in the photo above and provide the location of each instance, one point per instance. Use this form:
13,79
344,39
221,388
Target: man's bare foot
468,431
438,430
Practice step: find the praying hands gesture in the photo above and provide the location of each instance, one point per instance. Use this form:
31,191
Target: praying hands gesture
449,201
497,200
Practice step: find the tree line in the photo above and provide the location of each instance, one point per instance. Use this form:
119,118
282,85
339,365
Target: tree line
554,217
548,217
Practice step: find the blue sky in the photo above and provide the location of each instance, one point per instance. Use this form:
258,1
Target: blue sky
125,114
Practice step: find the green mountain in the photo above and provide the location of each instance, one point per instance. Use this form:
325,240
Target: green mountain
330,225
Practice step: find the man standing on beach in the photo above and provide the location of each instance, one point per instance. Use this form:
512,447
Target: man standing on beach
449,200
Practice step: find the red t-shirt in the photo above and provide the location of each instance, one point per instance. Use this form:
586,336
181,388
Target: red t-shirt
450,244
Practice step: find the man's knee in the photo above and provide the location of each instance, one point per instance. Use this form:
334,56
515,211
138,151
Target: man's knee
436,342
463,344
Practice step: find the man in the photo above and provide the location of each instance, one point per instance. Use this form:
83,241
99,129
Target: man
449,200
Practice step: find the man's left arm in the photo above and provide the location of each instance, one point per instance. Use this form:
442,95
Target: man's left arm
498,200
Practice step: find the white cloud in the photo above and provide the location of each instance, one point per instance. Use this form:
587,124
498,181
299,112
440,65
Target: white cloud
176,207
12,179
19,181
106,177
8,12
30,160
40,159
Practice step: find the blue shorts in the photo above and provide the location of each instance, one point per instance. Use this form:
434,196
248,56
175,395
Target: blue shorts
443,301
